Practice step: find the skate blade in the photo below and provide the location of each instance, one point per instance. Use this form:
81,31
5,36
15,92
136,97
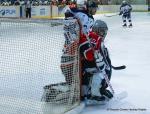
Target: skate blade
94,102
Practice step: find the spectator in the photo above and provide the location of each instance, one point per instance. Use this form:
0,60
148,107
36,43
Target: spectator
28,8
17,2
35,3
54,2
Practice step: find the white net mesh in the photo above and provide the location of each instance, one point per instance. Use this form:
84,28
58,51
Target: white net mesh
36,76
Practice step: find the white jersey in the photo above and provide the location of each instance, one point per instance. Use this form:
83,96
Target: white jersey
85,20
125,9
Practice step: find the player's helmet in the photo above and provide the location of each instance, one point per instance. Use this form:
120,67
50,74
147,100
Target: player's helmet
91,7
91,4
124,2
100,27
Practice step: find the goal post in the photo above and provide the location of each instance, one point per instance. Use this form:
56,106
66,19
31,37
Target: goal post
40,67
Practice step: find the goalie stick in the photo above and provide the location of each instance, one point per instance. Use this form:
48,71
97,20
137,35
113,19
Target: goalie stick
118,67
111,15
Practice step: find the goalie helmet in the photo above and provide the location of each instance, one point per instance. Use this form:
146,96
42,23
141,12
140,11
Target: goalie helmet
100,27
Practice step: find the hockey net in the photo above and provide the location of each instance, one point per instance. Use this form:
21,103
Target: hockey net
39,67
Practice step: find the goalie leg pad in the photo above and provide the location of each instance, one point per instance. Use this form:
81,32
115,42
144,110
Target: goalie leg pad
96,84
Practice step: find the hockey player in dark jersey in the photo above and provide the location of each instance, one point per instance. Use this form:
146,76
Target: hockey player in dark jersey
96,63
125,11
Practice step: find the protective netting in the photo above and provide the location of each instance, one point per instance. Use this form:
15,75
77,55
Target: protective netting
37,74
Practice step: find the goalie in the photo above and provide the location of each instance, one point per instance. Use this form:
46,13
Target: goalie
95,64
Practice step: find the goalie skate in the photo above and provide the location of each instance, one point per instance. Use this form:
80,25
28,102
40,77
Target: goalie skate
130,25
117,97
95,101
124,25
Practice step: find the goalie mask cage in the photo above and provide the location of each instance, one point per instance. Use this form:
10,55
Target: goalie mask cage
39,69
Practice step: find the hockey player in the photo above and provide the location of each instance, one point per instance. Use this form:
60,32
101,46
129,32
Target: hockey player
96,63
83,13
125,11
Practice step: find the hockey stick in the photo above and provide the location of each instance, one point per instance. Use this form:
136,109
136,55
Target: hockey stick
111,15
107,63
118,67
